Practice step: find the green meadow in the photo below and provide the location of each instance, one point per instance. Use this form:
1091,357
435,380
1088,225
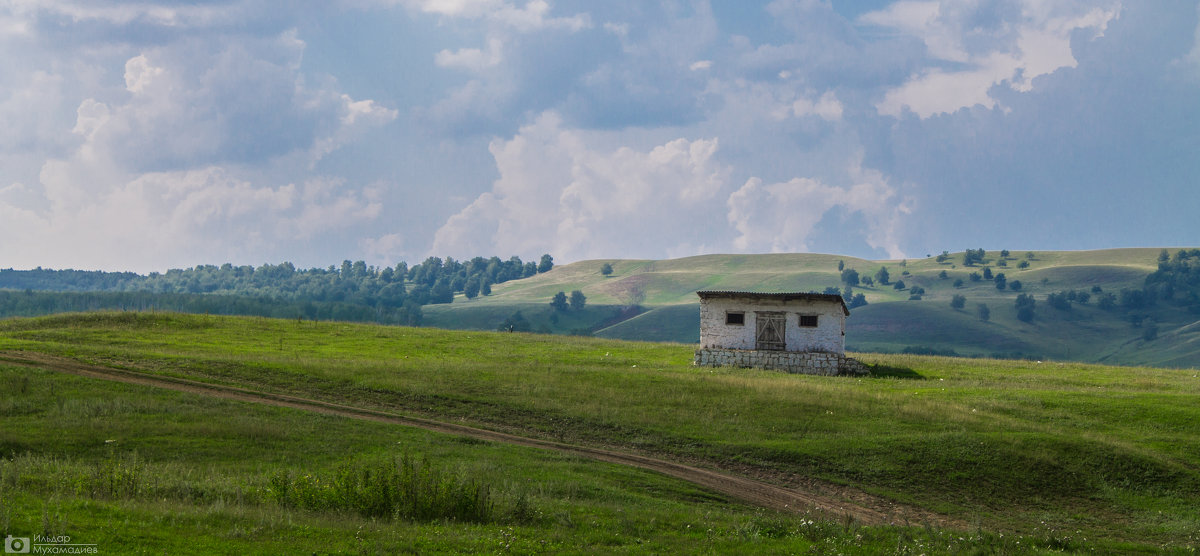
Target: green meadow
1029,456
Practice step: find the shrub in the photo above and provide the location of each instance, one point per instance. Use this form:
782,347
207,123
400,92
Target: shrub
402,488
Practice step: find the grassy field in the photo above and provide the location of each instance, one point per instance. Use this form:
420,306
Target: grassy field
1035,457
890,323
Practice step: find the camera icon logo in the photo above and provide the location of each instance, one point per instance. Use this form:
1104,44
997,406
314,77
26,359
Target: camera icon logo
16,545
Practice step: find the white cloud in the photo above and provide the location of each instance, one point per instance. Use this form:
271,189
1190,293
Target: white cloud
125,13
700,65
29,113
559,194
473,59
532,16
1190,62
172,218
828,107
197,150
460,8
388,247
935,91
921,19
984,51
782,217
139,74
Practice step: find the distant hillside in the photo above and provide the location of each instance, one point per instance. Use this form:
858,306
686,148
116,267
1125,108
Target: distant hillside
1098,317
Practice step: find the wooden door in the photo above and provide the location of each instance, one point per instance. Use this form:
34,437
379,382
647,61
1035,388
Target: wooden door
770,330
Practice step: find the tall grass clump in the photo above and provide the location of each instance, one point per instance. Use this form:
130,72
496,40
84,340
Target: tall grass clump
402,488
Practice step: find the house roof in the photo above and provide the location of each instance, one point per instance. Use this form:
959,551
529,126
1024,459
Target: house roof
781,296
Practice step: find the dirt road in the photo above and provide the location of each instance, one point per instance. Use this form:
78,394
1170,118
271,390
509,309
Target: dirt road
830,500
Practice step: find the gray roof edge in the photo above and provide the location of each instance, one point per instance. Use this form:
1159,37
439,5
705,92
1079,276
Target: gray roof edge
777,295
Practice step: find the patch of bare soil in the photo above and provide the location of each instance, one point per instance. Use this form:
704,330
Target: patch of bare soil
752,485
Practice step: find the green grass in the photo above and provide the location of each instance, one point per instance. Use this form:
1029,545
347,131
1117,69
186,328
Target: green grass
134,469
1015,448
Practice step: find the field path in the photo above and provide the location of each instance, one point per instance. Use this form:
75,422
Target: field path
832,501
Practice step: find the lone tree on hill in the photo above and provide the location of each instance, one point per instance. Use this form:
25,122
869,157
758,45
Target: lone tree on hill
984,312
577,300
958,301
546,264
559,302
606,269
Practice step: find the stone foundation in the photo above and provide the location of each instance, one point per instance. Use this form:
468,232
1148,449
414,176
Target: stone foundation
800,362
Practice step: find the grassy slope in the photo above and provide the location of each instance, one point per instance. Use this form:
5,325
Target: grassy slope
889,323
1102,453
193,473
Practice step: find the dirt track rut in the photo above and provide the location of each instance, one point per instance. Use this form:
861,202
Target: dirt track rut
847,503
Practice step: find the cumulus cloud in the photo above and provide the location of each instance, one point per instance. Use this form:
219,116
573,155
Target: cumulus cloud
666,128
534,15
827,107
980,46
781,217
126,13
231,102
558,193
177,218
205,149
473,59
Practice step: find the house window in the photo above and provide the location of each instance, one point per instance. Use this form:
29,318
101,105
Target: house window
808,321
735,318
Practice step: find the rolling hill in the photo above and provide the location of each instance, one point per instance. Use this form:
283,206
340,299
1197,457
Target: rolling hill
655,300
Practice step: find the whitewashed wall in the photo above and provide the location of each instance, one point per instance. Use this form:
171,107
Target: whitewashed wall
828,336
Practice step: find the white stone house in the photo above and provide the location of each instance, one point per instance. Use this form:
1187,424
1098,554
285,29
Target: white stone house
796,332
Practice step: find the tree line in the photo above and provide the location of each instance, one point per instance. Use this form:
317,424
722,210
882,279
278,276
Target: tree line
383,294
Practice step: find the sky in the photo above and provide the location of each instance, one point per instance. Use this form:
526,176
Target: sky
153,135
